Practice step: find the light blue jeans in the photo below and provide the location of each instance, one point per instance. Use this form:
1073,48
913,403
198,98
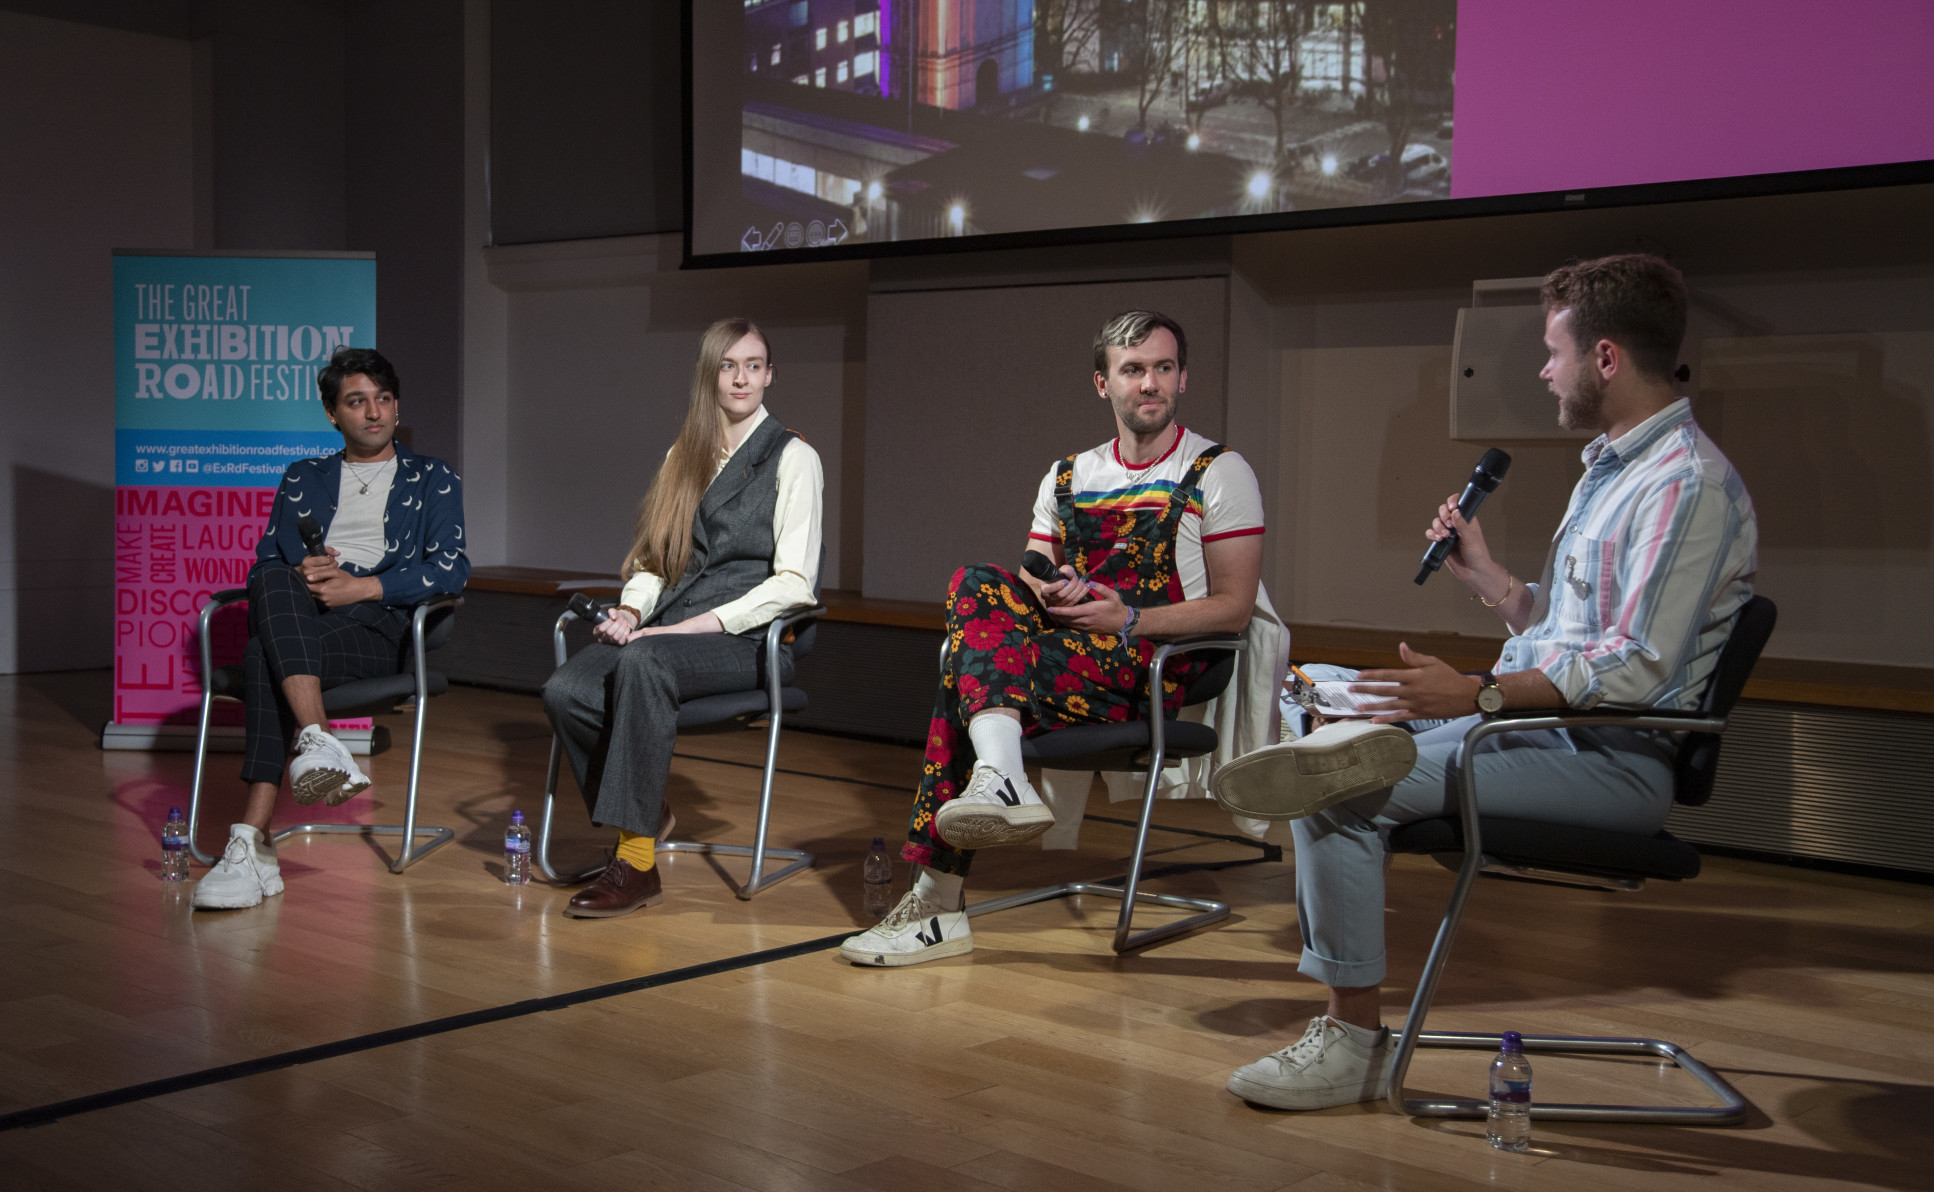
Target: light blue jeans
1609,778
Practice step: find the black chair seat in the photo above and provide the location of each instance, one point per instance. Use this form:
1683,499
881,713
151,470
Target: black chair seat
1122,746
1586,851
709,710
358,697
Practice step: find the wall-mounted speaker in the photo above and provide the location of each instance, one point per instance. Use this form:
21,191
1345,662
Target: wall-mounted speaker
1495,391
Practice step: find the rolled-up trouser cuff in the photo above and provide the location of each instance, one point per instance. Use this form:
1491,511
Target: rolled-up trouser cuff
1340,974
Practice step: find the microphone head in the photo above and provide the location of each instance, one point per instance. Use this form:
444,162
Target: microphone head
1039,566
587,609
1491,469
310,529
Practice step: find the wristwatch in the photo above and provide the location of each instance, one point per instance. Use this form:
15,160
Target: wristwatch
1490,697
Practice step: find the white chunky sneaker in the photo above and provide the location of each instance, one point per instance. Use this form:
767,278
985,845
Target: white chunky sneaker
913,932
246,874
994,809
1324,1068
1320,769
323,769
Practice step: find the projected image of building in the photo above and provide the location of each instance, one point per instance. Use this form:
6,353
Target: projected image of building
905,119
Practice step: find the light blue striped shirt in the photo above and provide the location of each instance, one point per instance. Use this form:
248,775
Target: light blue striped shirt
1656,555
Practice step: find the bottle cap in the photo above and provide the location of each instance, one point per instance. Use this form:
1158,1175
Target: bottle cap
1513,1042
517,817
174,813
879,843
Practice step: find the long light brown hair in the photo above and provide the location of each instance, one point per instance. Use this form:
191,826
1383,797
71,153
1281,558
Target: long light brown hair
663,543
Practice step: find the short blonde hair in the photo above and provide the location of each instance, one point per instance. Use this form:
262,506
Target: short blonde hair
1130,328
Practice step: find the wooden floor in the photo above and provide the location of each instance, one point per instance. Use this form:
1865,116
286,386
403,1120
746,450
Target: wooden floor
1040,1061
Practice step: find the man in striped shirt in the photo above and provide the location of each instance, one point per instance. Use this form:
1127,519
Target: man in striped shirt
1654,558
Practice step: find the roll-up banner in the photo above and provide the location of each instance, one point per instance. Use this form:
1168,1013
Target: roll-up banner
215,363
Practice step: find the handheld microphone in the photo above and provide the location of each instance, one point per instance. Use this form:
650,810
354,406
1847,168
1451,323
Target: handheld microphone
311,531
1042,568
588,610
1485,478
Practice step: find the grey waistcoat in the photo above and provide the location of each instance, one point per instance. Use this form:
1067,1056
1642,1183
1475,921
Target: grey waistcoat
732,540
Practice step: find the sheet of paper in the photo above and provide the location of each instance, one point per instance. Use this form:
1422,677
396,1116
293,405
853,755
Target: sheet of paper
1335,699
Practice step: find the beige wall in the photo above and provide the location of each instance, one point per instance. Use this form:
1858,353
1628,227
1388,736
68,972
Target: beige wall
98,145
1323,356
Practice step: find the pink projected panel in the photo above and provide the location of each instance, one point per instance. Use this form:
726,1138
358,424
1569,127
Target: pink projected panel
1569,94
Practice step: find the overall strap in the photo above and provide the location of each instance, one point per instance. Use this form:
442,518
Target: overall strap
1063,499
1178,500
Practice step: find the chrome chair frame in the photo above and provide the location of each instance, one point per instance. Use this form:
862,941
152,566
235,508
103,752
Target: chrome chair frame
1733,1106
408,830
1207,910
758,850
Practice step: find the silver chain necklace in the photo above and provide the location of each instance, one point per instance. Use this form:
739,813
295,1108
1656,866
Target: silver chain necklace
364,490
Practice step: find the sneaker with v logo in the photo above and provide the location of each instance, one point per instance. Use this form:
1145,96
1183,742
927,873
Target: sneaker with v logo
994,809
913,932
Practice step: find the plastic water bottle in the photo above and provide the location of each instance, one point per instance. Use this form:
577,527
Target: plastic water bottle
517,851
1510,1118
877,898
174,847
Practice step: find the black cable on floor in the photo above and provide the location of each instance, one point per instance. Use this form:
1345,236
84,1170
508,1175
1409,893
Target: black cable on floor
41,1115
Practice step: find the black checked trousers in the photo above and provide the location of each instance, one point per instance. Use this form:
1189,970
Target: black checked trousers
288,635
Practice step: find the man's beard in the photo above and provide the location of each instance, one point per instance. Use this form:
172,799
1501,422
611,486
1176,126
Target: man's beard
1132,418
1581,408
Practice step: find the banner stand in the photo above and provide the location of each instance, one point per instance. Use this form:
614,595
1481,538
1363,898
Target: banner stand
222,738
215,361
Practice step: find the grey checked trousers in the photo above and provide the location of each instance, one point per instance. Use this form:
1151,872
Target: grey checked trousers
616,709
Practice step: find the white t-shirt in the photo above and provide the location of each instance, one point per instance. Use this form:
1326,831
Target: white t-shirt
357,529
1230,507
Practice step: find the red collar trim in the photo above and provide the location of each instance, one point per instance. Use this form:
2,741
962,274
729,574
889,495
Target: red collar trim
1115,446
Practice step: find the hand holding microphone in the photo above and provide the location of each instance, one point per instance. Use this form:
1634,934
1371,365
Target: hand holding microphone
1042,568
1444,532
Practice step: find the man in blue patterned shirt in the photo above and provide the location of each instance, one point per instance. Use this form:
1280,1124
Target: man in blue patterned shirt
1652,562
392,522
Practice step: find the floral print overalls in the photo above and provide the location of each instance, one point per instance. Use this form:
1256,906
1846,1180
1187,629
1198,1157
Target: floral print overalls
1006,652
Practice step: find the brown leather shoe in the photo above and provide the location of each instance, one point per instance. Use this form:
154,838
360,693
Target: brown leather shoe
619,890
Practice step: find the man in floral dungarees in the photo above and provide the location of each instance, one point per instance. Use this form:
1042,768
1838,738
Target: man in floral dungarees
1157,534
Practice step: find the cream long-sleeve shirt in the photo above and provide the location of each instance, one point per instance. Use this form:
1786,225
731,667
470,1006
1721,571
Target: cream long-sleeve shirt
795,551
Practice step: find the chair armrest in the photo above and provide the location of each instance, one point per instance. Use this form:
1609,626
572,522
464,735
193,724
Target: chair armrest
1520,720
776,637
1231,642
220,600
421,613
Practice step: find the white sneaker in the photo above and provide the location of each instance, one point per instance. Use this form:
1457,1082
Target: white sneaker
1324,1068
1297,778
323,769
246,874
913,932
994,809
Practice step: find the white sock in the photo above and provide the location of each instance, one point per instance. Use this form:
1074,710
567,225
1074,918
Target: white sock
256,837
1363,1035
997,741
945,890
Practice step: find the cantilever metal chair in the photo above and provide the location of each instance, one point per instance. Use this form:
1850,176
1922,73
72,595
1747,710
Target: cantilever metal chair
1146,744
734,710
1473,844
430,626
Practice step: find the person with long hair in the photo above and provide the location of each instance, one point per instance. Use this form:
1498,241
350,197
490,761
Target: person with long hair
728,540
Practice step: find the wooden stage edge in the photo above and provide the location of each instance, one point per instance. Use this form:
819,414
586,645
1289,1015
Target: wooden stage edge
1775,680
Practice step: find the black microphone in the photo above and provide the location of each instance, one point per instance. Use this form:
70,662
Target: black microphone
1485,478
1042,568
588,610
311,531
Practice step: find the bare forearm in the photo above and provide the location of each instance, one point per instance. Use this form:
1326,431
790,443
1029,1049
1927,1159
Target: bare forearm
1222,612
1503,593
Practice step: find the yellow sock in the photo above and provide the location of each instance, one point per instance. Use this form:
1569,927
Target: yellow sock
636,850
